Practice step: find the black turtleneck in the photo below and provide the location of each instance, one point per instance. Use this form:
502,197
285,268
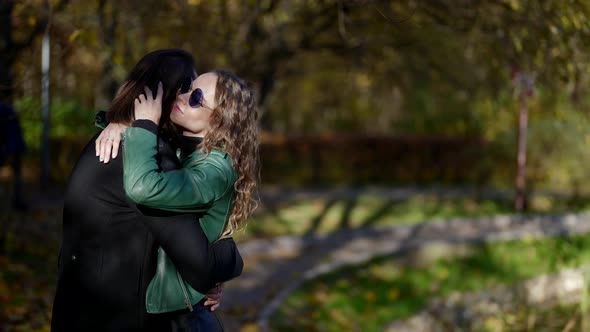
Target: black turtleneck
189,144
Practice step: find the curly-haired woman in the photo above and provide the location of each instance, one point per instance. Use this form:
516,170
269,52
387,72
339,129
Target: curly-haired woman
219,154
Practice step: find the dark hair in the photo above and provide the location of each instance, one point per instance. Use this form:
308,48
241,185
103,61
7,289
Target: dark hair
173,67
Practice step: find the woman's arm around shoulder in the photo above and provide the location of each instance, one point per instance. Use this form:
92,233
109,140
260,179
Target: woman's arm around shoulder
191,189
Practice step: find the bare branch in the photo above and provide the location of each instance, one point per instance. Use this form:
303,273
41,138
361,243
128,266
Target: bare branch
39,27
341,27
403,20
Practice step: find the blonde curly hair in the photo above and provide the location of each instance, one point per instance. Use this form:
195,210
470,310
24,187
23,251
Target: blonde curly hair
234,129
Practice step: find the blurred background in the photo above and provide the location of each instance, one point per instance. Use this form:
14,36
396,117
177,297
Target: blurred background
424,162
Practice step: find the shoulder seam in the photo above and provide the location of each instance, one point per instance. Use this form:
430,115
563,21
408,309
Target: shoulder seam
225,169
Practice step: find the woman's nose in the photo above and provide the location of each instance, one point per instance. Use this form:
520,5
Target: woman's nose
183,97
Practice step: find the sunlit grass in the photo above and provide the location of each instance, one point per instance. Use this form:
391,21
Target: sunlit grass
524,319
368,297
306,216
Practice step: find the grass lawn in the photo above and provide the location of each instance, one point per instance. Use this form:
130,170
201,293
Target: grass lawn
525,319
366,298
323,215
28,259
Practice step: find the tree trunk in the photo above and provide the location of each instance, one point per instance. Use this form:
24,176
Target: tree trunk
521,153
6,52
107,86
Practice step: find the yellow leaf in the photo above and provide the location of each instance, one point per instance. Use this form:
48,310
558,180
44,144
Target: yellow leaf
393,294
319,296
339,317
342,283
370,296
515,4
363,81
74,35
249,327
118,59
443,273
492,324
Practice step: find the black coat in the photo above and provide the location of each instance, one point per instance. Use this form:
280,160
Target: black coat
109,250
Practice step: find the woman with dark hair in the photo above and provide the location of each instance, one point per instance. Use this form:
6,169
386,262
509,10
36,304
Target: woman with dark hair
175,70
109,250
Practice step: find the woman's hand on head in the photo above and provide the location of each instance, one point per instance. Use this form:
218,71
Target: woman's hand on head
108,142
147,107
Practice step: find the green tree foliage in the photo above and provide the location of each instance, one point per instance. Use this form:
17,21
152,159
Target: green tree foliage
357,59
411,67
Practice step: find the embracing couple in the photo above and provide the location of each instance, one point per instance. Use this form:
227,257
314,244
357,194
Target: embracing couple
147,237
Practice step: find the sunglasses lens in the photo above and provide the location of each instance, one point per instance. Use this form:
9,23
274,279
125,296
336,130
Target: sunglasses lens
196,98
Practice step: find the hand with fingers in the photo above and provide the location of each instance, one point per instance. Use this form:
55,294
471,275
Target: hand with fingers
108,142
213,297
147,107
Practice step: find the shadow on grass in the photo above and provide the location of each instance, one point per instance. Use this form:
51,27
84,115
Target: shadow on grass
317,220
379,213
344,213
367,297
349,205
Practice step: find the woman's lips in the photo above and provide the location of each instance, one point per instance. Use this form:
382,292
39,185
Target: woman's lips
176,108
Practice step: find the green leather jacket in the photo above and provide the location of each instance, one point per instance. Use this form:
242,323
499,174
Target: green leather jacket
205,183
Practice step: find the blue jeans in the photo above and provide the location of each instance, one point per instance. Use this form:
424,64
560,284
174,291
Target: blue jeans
200,320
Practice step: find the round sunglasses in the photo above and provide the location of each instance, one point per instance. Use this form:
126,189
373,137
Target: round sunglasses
196,98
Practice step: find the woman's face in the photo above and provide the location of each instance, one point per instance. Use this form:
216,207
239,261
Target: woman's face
195,119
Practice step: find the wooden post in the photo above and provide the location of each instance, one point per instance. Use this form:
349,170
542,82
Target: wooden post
519,182
524,87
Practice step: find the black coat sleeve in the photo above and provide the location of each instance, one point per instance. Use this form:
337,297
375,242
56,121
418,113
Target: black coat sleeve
199,262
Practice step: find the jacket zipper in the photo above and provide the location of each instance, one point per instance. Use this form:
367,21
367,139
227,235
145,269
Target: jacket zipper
187,302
